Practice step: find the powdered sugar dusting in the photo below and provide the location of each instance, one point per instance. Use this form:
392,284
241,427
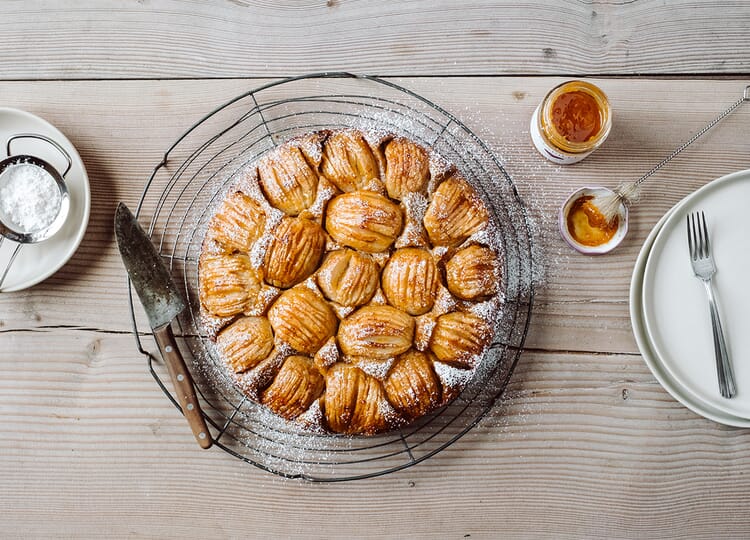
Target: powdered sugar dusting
312,418
414,234
439,169
416,205
376,368
328,354
325,193
425,325
260,247
452,377
312,284
312,147
445,302
439,252
332,245
255,380
248,182
376,185
375,137
484,236
391,416
266,297
378,298
342,312
486,309
212,324
381,259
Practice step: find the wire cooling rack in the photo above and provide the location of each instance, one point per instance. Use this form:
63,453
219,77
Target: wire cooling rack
199,167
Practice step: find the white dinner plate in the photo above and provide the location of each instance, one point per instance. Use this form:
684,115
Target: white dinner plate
36,262
650,358
675,310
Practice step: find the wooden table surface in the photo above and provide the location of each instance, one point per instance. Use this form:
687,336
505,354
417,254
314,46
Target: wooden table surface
585,443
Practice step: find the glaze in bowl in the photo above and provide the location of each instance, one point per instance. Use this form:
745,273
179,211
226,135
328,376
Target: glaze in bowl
622,229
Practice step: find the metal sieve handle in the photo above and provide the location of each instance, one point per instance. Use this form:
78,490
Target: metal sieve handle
45,139
10,262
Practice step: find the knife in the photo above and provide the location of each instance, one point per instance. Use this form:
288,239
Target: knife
162,302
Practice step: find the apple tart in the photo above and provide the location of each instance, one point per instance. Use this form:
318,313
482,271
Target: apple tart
351,281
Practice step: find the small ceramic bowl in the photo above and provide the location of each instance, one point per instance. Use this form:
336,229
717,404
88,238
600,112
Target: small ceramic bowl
622,229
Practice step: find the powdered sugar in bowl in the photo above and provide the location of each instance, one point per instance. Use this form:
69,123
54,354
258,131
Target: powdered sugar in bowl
34,200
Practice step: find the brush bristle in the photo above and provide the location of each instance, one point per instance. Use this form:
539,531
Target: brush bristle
608,205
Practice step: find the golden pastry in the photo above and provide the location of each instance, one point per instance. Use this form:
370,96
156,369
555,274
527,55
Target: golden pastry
288,181
348,161
407,168
348,277
378,263
228,284
246,342
238,223
294,253
455,213
459,337
412,386
302,319
297,384
410,280
364,220
353,401
376,332
472,273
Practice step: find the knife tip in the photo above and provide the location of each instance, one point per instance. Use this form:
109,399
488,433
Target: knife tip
122,213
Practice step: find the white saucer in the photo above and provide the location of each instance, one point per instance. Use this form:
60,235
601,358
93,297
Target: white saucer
650,358
674,308
36,262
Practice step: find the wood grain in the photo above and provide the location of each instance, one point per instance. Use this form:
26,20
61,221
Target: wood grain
585,444
244,38
581,302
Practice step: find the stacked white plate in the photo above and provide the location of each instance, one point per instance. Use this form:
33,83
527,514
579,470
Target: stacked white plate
669,308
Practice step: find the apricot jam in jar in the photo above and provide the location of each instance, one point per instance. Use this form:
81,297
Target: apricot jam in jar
572,121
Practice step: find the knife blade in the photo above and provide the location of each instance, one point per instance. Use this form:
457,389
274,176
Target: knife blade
162,302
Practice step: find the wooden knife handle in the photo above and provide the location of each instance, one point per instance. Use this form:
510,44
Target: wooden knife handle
183,385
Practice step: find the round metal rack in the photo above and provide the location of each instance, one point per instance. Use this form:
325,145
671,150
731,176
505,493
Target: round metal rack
199,167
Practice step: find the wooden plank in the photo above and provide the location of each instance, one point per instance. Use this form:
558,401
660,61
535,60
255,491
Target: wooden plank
581,446
170,38
581,302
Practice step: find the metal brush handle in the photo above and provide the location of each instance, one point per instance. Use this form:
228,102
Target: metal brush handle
745,97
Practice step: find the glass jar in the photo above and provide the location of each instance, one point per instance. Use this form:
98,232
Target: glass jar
572,121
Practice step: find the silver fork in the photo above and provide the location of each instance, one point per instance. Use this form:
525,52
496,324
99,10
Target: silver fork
704,269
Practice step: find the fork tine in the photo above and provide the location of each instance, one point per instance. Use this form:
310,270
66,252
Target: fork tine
707,245
704,269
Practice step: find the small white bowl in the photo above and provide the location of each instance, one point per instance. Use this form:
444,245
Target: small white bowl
622,228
